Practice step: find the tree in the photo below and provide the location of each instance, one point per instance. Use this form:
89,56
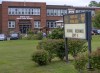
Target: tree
96,20
94,4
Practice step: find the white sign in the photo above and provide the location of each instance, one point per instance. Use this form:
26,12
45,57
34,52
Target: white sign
24,17
75,31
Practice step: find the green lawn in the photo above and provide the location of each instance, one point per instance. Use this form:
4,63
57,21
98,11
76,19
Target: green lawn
15,57
95,42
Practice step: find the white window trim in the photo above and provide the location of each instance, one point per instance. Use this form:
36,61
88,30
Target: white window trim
12,24
37,24
26,11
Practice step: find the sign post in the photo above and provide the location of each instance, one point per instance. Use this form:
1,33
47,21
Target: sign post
89,38
77,26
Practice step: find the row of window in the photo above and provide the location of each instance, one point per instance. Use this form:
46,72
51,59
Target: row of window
56,12
92,11
61,12
24,11
50,12
50,24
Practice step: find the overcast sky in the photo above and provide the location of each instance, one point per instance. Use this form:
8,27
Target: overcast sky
60,2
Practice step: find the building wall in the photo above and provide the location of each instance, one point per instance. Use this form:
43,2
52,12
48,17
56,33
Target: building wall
43,17
0,18
6,17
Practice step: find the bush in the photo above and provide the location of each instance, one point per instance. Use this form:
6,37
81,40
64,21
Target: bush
30,32
60,49
76,46
32,36
56,34
54,47
80,63
40,57
57,46
95,59
48,45
38,36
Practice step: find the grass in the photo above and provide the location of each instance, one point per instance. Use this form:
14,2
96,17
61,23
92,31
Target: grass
15,57
95,42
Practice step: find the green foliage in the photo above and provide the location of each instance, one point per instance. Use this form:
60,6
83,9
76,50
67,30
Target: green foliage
15,58
80,62
30,31
48,45
96,21
94,4
32,36
40,57
53,46
76,46
60,50
56,46
56,34
38,36
95,59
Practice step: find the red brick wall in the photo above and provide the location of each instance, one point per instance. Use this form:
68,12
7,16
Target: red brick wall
54,18
6,17
0,18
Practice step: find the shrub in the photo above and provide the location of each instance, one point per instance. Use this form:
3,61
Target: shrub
40,57
76,46
60,49
48,45
39,36
32,36
95,59
57,46
80,62
56,34
54,47
30,32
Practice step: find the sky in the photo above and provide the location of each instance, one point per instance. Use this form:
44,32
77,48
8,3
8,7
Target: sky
60,2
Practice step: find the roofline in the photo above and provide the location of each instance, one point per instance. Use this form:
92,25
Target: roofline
22,2
65,6
61,5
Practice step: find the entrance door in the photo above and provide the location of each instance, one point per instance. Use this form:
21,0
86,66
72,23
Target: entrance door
24,28
24,25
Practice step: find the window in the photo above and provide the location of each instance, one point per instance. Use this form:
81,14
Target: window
24,11
50,12
59,11
11,24
77,11
56,12
51,24
71,11
36,24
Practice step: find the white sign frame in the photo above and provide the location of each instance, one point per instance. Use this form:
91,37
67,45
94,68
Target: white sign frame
77,31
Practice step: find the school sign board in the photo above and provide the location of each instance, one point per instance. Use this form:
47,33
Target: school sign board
77,25
75,31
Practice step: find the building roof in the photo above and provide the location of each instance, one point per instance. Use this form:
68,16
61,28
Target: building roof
58,6
21,2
